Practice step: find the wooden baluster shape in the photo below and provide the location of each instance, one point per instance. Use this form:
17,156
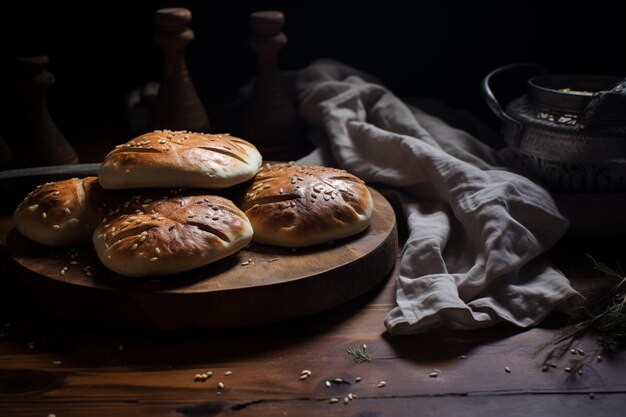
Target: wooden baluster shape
177,106
270,118
39,141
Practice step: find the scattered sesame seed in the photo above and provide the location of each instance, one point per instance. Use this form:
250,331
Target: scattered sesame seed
44,215
157,250
304,376
104,220
57,192
33,207
327,383
63,272
545,368
65,209
56,226
567,369
592,395
434,374
580,371
57,363
351,396
244,263
507,370
599,358
381,384
153,259
333,400
357,379
346,400
228,373
220,385
572,351
142,238
338,380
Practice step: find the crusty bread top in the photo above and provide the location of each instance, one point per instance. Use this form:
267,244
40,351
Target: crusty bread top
166,158
156,234
294,205
63,212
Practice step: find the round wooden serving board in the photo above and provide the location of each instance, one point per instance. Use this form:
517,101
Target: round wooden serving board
259,284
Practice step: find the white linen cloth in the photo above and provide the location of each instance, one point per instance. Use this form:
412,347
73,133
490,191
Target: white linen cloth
475,230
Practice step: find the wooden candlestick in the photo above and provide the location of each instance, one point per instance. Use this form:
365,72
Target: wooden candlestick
39,141
270,118
177,106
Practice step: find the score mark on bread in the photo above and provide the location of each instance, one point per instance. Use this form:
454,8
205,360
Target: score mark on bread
294,205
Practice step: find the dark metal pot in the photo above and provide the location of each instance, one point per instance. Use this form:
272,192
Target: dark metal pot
567,132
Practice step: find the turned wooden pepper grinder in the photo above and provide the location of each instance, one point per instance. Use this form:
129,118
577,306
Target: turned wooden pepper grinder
39,141
177,106
270,118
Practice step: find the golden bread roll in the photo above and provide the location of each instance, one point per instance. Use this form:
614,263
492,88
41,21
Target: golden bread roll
163,159
62,212
294,206
155,235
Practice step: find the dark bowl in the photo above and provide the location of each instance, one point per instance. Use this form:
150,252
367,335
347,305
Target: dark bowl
567,93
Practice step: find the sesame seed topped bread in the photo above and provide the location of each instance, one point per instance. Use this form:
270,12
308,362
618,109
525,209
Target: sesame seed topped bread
166,158
155,235
294,205
63,212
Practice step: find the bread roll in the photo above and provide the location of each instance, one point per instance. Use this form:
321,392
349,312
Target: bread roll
294,205
179,159
63,212
161,235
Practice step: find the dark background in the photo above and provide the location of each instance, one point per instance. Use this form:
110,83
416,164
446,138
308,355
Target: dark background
100,50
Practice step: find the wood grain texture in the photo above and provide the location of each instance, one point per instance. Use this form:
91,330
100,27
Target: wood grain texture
259,284
47,366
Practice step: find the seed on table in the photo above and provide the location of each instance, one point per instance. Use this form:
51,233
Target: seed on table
599,358
304,376
572,351
381,384
220,385
333,400
351,396
228,373
434,374
545,368
338,380
197,377
328,384
592,395
567,369
580,371
357,379
346,400
507,370
305,371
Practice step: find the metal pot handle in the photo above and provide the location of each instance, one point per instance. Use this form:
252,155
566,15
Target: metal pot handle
492,101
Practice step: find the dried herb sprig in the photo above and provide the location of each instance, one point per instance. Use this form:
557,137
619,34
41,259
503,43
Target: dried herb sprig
359,354
604,314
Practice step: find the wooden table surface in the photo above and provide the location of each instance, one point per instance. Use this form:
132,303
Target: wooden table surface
53,367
